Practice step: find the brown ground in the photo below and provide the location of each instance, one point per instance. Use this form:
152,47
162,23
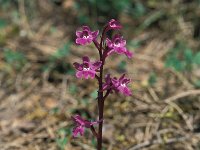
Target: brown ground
36,105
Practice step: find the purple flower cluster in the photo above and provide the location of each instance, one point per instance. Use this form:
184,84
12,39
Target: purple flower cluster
116,44
94,69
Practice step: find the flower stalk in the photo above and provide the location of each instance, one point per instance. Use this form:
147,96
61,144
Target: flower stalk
89,69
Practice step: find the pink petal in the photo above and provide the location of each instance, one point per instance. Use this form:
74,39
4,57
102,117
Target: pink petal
78,119
109,43
91,73
95,34
86,74
86,59
122,77
79,74
89,40
78,129
114,24
123,43
110,52
78,33
127,91
129,54
78,66
81,41
120,50
86,28
96,65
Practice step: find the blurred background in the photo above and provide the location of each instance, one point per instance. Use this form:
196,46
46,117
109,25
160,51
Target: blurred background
39,91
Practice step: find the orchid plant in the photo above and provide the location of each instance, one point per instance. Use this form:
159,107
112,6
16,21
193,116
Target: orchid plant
94,70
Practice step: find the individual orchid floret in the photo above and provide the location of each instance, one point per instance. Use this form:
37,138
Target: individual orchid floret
118,85
81,124
86,36
118,45
121,85
113,24
87,69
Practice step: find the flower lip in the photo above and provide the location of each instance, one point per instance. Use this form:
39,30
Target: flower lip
123,84
86,69
85,34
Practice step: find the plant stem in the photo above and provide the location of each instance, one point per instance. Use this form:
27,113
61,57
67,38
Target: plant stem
100,93
101,107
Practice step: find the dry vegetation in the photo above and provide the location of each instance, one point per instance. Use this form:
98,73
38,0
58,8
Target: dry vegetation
39,92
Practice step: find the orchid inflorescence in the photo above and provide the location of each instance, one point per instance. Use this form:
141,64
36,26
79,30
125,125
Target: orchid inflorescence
94,69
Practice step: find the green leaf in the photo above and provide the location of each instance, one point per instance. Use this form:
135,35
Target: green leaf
188,55
138,10
152,79
197,58
173,62
14,58
73,89
63,51
94,142
134,43
63,135
197,83
151,19
62,142
3,23
94,94
122,65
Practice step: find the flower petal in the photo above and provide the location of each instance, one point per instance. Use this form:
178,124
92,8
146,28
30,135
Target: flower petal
86,28
78,66
96,65
109,43
86,59
91,74
113,24
127,91
78,33
81,41
79,74
120,50
123,43
85,74
122,77
129,54
77,119
78,129
95,34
